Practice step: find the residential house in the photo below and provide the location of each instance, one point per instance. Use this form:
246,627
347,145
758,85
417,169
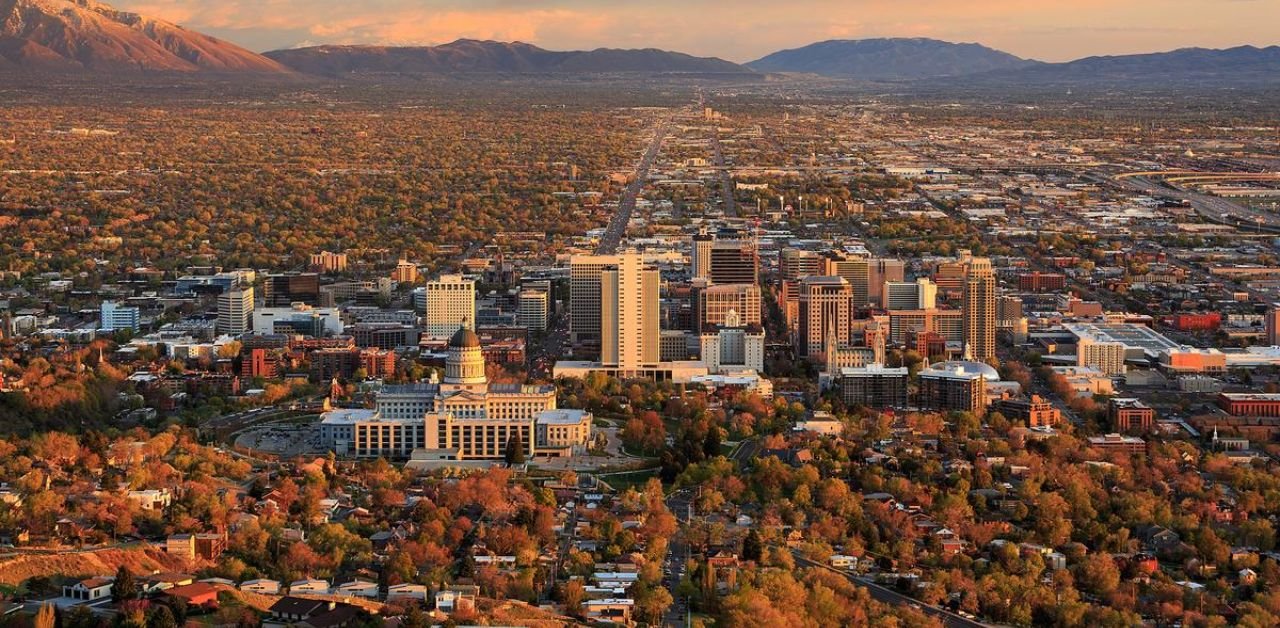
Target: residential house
309,585
303,613
262,586
406,591
457,598
89,589
164,580
154,499
357,588
617,611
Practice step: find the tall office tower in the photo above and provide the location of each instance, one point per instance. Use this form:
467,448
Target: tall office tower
285,289
326,262
734,259
880,271
920,294
856,270
584,296
1272,325
715,303
700,255
451,305
235,311
978,308
116,317
629,315
796,264
825,308
531,309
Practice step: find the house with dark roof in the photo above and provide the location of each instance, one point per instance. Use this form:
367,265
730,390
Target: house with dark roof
304,613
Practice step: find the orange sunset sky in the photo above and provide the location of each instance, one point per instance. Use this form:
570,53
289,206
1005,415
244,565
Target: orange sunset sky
741,30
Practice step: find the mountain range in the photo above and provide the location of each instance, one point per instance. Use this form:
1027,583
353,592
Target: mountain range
472,56
84,35
89,37
890,59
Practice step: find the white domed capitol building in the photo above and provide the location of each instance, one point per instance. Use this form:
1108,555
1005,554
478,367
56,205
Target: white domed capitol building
463,417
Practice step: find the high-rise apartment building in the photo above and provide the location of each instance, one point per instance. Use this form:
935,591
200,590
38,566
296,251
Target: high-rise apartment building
235,311
978,307
1101,354
629,314
873,386
825,308
450,305
955,386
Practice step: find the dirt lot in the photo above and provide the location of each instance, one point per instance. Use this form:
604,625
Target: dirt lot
16,569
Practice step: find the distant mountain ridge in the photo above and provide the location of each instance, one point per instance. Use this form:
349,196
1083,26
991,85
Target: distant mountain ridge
928,60
80,35
1238,64
890,59
474,56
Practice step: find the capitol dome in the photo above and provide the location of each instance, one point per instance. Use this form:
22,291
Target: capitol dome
464,338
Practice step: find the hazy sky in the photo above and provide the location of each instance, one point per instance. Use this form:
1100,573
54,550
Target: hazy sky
738,30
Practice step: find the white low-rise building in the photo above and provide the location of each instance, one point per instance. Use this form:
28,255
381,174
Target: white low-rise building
358,588
261,586
309,585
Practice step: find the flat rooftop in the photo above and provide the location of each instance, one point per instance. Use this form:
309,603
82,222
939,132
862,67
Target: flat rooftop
1251,396
347,416
1131,335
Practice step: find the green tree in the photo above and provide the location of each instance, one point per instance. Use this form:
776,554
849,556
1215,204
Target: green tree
752,548
161,617
124,587
415,618
515,450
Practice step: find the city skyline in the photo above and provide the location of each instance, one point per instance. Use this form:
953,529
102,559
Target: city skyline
750,30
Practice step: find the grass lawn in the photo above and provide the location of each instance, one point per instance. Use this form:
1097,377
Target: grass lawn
623,481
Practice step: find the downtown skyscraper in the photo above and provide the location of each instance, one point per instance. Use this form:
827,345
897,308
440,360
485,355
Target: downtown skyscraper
978,309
